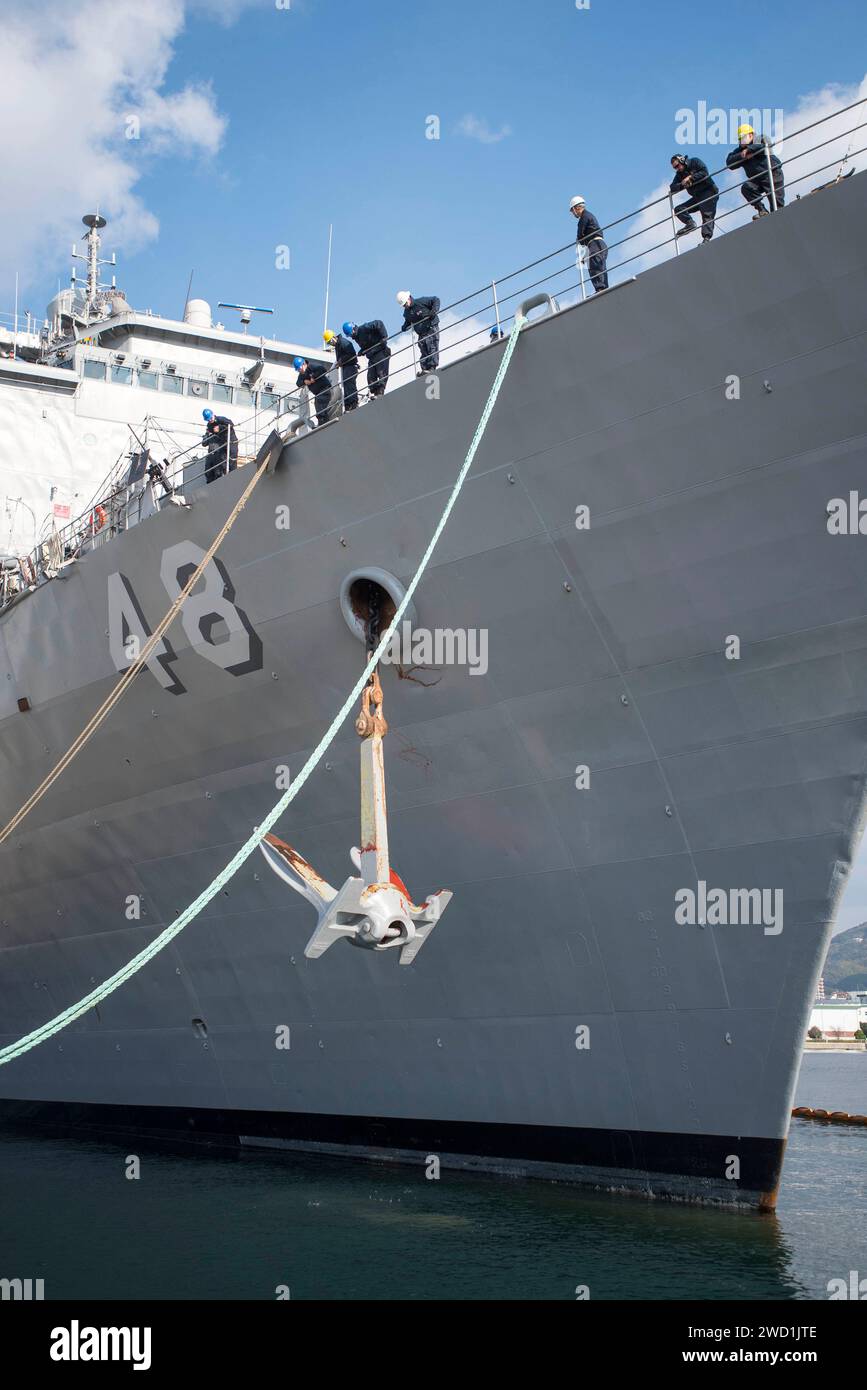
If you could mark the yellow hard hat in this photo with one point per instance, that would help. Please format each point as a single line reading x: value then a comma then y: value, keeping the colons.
x: 745, y: 130
x: 327, y: 336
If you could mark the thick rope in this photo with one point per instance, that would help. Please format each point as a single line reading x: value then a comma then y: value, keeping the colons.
x: 131, y: 672
x: 47, y: 1030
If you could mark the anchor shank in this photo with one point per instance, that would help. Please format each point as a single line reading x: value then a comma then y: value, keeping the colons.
x: 374, y: 866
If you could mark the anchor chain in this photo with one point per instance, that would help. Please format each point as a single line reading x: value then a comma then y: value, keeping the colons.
x: 371, y: 719
x: 374, y: 616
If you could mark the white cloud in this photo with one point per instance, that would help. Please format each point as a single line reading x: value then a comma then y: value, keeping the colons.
x: 186, y: 121
x: 476, y: 128
x: 805, y: 166
x: 71, y: 76
x: 458, y: 336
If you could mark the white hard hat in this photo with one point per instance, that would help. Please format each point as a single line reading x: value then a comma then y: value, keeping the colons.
x: 403, y: 298
x: 577, y: 201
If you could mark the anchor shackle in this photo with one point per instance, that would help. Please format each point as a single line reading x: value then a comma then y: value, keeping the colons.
x: 371, y: 719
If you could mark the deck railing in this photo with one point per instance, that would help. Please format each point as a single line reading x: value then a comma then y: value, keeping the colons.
x: 643, y: 238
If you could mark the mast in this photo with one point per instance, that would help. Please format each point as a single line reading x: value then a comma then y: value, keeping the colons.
x: 93, y: 289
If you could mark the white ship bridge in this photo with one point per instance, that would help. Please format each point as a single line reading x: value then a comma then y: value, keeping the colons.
x: 97, y: 375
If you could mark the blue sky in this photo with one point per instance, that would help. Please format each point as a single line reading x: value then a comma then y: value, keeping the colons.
x: 326, y: 105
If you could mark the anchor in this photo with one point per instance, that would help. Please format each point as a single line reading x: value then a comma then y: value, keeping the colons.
x: 375, y: 910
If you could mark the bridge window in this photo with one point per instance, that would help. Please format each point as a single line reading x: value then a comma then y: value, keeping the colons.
x: 172, y: 384
x: 93, y: 369
x: 122, y: 376
x: 150, y: 380
x: 243, y: 395
x: 219, y: 392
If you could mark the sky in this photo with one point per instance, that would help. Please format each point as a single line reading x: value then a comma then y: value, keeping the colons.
x: 263, y: 121
x: 257, y: 123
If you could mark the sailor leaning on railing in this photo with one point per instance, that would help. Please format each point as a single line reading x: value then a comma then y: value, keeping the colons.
x: 764, y: 171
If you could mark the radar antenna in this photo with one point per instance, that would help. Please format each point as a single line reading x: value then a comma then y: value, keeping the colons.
x: 246, y: 310
x: 252, y: 374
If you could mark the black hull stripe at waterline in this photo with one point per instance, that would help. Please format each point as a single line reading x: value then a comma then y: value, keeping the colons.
x: 704, y: 1157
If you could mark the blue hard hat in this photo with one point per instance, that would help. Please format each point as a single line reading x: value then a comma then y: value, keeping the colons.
x: 349, y: 329
x: 207, y: 414
x: 297, y: 363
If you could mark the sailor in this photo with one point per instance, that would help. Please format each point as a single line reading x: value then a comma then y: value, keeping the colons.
x: 423, y: 315
x: 753, y: 156
x: 590, y: 235
x: 691, y: 176
x: 496, y: 334
x: 347, y: 360
x: 222, y: 443
x: 314, y: 375
x: 372, y: 339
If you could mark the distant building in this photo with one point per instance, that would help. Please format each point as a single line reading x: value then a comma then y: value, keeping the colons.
x: 839, y: 1018
x: 820, y: 992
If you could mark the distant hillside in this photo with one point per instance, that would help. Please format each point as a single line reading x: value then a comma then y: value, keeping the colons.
x: 846, y: 962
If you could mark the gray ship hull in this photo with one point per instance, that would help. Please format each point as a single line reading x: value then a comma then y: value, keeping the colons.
x: 606, y: 648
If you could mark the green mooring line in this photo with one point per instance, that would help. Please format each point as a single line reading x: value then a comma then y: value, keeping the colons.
x: 62, y: 1020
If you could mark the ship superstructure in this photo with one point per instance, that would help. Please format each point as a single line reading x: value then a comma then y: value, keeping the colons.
x: 73, y: 389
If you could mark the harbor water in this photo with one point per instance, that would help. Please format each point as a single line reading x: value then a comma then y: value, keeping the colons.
x: 262, y: 1226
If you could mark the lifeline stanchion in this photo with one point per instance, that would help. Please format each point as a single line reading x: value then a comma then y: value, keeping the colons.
x: 673, y: 225
x: 772, y: 192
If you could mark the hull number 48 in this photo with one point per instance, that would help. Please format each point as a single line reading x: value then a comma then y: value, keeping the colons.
x: 215, y: 627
